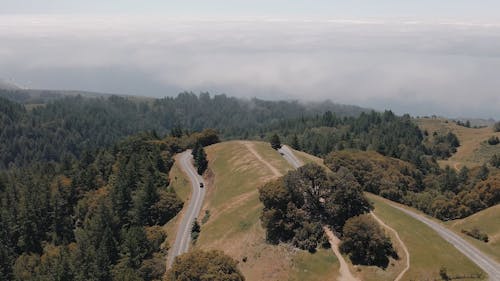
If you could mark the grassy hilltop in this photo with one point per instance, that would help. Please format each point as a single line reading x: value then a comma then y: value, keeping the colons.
x: 238, y: 169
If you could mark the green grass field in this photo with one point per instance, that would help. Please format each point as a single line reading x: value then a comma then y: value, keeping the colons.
x: 428, y: 251
x: 487, y: 221
x: 234, y: 225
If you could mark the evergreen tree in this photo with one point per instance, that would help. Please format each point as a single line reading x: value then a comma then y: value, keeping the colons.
x: 144, y: 201
x: 295, y: 142
x: 201, y: 161
x: 135, y: 247
x: 97, y: 249
x: 275, y: 141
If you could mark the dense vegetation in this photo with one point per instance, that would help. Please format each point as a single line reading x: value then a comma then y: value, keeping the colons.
x: 442, y: 146
x: 66, y: 127
x: 445, y: 194
x: 366, y: 243
x: 204, y: 266
x: 298, y: 205
x: 81, y: 199
x: 97, y: 218
x: 200, y: 158
x: 385, y: 133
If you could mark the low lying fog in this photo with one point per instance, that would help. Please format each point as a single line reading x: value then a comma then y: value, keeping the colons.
x: 444, y: 68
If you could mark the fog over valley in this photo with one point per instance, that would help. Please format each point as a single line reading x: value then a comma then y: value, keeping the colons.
x: 422, y: 67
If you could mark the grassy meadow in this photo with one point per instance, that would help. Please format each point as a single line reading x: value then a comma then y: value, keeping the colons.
x: 234, y: 225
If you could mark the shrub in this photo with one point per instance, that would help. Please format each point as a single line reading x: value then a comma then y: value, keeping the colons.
x: 493, y: 140
x: 275, y: 141
x: 477, y: 234
x: 207, y: 266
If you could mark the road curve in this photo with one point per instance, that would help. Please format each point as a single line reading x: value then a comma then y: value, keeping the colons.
x: 491, y: 267
x: 183, y: 237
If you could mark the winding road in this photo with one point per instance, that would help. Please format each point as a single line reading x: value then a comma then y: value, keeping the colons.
x: 183, y: 237
x: 487, y: 264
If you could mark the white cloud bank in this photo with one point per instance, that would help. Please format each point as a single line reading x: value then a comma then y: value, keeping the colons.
x: 447, y: 68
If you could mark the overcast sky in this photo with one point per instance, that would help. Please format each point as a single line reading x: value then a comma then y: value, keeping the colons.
x: 429, y: 57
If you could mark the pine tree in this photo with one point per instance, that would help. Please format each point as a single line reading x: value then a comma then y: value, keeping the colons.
x: 144, y: 200
x: 295, y: 143
x: 275, y: 142
x: 201, y: 161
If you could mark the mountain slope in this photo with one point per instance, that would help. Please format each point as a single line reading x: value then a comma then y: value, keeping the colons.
x: 488, y: 221
x: 234, y: 225
x: 428, y: 251
x: 473, y: 150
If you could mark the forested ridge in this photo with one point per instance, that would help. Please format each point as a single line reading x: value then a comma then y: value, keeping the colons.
x: 84, y: 181
x: 67, y: 126
x: 95, y: 218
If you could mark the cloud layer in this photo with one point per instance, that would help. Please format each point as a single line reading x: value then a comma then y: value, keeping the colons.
x: 447, y: 68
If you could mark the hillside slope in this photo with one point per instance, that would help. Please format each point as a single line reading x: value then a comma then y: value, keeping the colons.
x: 488, y: 221
x: 473, y: 150
x: 428, y: 251
x: 234, y: 225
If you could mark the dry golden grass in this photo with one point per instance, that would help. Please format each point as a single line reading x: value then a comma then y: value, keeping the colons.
x: 234, y: 225
x: 473, y: 150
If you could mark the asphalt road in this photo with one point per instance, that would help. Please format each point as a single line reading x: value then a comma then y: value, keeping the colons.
x: 183, y: 237
x: 487, y: 264
x: 491, y: 267
x: 290, y: 157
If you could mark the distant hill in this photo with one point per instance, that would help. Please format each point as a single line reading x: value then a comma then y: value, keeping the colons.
x: 35, y: 96
x: 473, y: 150
x: 71, y: 122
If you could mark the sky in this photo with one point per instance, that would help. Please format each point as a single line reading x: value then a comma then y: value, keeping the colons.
x: 419, y: 57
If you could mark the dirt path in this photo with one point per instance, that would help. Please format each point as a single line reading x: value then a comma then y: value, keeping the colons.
x: 251, y: 148
x: 407, y: 254
x: 345, y: 273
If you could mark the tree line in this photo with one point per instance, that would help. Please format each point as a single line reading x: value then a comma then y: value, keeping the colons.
x: 444, y: 193
x: 66, y: 126
x: 95, y: 218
